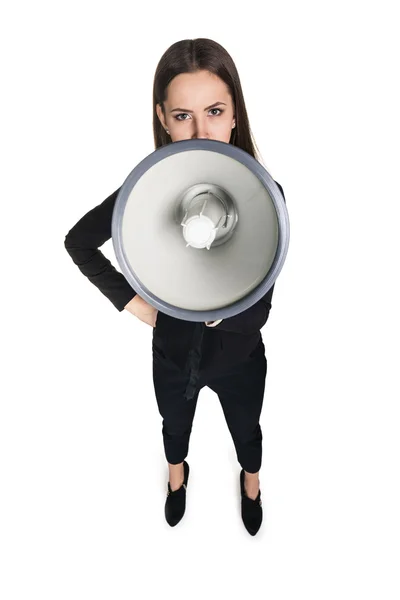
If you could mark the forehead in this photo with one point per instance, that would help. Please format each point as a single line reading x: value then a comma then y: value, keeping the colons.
x: 196, y: 90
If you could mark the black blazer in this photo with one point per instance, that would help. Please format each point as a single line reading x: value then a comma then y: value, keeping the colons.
x: 227, y: 343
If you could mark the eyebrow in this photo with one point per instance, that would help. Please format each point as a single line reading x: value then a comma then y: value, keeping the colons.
x: 186, y: 110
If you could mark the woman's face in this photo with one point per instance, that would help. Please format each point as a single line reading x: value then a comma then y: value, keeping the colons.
x: 198, y: 105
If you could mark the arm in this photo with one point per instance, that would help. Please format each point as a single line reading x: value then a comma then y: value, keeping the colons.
x: 82, y: 243
x: 255, y: 317
x: 250, y: 320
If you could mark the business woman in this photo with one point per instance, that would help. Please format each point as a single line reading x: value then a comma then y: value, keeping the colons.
x: 196, y: 95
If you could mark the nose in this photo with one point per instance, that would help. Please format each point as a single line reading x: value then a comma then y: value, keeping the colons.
x: 200, y: 131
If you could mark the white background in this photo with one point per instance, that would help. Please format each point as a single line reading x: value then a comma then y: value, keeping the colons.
x: 83, y: 473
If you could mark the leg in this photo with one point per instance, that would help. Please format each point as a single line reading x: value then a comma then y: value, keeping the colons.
x: 177, y: 412
x: 241, y: 392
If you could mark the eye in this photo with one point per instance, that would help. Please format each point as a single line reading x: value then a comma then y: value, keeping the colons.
x: 220, y: 111
x: 182, y: 114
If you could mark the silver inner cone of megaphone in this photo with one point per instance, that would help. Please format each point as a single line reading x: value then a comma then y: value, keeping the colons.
x: 207, y: 215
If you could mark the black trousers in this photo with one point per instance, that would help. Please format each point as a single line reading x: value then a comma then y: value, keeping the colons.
x: 240, y: 389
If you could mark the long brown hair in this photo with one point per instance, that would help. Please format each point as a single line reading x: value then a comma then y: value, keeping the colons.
x: 188, y: 56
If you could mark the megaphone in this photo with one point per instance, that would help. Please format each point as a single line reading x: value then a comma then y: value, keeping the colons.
x: 200, y: 230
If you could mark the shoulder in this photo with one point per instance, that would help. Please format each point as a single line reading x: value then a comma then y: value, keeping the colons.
x: 281, y: 189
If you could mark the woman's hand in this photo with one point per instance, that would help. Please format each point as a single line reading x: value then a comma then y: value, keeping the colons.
x: 142, y: 310
x: 213, y: 323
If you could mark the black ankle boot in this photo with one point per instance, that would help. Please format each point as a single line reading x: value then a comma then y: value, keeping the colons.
x: 175, y: 503
x: 251, y: 509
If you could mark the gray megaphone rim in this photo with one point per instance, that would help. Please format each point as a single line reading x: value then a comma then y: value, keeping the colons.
x: 279, y: 204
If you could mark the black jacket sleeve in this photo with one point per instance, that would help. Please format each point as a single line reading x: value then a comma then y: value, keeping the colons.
x: 82, y: 243
x: 255, y: 317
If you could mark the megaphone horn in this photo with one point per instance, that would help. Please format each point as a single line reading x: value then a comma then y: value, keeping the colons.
x: 200, y: 230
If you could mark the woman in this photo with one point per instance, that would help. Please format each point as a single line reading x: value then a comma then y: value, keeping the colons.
x: 196, y: 94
